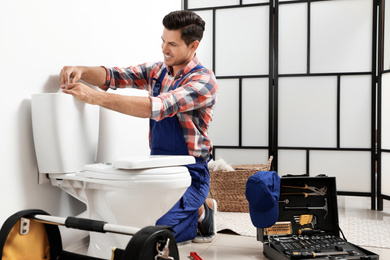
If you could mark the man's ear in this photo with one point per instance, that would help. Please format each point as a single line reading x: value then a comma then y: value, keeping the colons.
x: 194, y: 45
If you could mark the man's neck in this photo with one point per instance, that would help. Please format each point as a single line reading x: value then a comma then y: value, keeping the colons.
x: 176, y: 69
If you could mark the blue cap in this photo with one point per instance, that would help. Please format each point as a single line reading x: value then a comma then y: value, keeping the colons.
x: 262, y: 192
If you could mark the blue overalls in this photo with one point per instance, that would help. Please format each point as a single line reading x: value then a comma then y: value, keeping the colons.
x: 167, y: 139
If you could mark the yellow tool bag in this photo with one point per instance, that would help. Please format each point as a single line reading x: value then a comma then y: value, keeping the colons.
x: 34, y: 235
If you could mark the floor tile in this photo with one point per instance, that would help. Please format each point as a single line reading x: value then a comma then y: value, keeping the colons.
x: 225, y: 246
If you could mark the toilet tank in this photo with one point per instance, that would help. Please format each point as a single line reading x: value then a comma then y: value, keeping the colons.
x: 65, y: 132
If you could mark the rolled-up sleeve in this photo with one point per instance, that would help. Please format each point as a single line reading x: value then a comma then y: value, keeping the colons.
x: 134, y: 76
x: 106, y: 85
x: 199, y: 91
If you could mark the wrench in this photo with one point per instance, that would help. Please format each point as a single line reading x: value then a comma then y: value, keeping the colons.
x: 325, y: 207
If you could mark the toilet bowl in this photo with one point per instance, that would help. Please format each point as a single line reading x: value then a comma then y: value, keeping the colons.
x: 134, y: 191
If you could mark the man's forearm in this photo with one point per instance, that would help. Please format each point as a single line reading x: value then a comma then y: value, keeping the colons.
x: 94, y: 75
x: 130, y: 105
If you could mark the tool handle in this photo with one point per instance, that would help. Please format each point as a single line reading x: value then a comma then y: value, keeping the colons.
x: 295, y: 187
x: 299, y: 193
x: 309, y: 231
x: 194, y: 256
x: 295, y: 208
x: 302, y: 255
x: 87, y: 224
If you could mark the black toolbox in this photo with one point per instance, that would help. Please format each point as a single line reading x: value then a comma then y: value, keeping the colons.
x: 308, y: 224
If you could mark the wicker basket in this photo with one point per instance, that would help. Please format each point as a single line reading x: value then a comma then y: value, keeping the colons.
x: 228, y: 187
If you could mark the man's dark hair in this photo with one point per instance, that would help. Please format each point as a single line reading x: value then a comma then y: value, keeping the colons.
x: 190, y: 24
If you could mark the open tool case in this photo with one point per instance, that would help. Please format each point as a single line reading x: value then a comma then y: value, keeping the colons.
x: 308, y: 225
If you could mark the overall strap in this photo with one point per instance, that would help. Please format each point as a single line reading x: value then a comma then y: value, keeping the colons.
x: 197, y: 67
x: 157, y: 87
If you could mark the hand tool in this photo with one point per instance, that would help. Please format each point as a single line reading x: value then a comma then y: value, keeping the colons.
x: 309, y: 231
x: 319, y: 192
x: 286, y: 201
x: 304, y: 219
x: 325, y: 207
x: 280, y: 228
x: 309, y: 255
x: 194, y: 256
x: 306, y: 194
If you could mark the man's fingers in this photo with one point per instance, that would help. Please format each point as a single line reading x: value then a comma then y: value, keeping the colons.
x: 63, y: 79
x: 74, y: 78
x: 68, y: 75
x: 71, y: 86
x: 65, y: 75
x: 71, y: 89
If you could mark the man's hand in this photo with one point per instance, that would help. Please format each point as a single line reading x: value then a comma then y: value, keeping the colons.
x: 70, y: 74
x: 130, y: 105
x: 92, y: 75
x: 82, y: 92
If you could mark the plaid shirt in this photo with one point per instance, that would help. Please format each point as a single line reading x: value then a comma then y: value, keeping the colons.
x: 192, y: 101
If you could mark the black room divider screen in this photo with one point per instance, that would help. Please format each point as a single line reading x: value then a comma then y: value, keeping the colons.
x: 304, y: 81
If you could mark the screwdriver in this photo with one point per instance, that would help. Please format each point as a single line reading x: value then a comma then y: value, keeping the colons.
x: 310, y: 255
x: 309, y: 231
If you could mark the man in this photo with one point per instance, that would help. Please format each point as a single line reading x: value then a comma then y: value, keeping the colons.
x: 182, y: 95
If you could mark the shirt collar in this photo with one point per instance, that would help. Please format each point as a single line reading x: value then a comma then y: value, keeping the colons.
x: 192, y: 64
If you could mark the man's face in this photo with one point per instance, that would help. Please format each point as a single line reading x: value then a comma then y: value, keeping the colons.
x: 176, y: 53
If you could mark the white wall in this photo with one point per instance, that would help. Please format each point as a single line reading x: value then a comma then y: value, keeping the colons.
x: 37, y: 38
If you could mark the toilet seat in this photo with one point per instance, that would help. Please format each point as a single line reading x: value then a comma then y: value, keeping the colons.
x: 153, y: 167
x: 108, y: 172
x: 153, y: 161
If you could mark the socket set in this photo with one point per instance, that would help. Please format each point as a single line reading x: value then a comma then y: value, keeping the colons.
x: 308, y: 225
x: 306, y: 247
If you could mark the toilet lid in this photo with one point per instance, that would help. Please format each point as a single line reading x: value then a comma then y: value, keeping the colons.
x: 107, y: 172
x: 153, y: 161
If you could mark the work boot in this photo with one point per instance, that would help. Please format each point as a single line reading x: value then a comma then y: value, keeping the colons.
x: 207, y: 228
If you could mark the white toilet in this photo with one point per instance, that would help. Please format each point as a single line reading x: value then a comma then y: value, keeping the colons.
x: 132, y: 192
